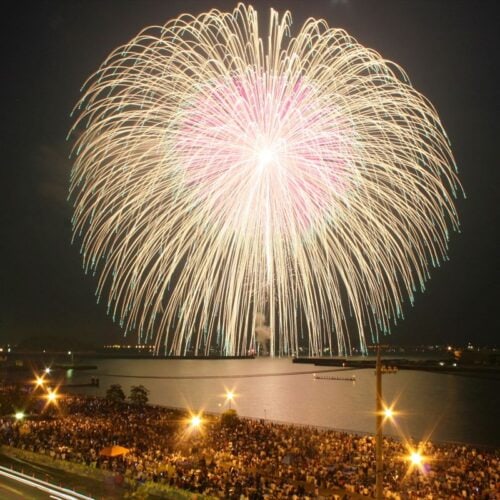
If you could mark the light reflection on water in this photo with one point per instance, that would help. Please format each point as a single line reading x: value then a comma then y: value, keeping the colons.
x: 452, y: 408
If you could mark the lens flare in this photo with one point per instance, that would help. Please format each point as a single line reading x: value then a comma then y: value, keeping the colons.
x: 220, y: 177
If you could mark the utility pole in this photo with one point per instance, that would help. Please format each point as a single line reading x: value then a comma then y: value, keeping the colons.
x: 379, y: 477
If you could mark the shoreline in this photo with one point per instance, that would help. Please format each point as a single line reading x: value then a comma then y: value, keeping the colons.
x: 322, y: 428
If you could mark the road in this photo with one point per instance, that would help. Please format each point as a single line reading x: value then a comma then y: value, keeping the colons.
x: 11, y: 489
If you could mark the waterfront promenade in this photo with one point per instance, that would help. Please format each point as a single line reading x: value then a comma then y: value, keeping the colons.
x: 251, y: 459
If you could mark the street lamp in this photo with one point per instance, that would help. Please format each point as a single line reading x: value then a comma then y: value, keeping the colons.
x: 52, y: 396
x: 381, y: 414
x: 390, y: 413
x: 195, y: 421
x: 379, y: 472
x: 416, y: 459
x: 229, y: 398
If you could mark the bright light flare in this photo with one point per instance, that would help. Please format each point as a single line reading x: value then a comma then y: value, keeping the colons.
x: 195, y: 421
x: 389, y: 413
x: 19, y: 415
x: 219, y: 177
x: 52, y: 396
x: 417, y: 460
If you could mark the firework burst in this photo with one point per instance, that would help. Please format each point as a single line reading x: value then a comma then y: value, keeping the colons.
x: 219, y: 178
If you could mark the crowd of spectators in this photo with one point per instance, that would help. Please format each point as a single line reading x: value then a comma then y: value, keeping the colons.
x: 249, y: 459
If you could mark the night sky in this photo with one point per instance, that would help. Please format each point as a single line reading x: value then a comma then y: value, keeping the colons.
x: 448, y: 48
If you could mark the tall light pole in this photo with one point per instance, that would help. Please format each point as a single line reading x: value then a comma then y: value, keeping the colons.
x: 379, y: 471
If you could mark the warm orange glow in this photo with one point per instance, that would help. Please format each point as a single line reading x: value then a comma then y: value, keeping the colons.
x: 389, y: 413
x: 52, y: 396
x: 194, y: 424
x: 39, y: 381
x: 416, y: 458
x: 229, y: 396
x: 195, y: 421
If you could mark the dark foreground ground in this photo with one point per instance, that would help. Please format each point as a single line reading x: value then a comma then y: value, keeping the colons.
x: 10, y: 489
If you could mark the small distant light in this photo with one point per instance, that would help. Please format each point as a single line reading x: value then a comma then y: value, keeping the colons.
x: 441, y: 363
x: 229, y: 396
x: 19, y: 415
x: 47, y: 370
x: 388, y: 413
x: 39, y: 381
x: 454, y: 364
x: 69, y: 353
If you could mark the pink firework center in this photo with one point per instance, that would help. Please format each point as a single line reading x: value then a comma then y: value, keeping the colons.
x: 263, y: 150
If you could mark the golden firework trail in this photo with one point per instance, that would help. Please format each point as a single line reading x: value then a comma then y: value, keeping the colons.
x: 221, y: 177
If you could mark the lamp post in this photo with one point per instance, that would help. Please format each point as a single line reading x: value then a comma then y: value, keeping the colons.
x: 379, y: 471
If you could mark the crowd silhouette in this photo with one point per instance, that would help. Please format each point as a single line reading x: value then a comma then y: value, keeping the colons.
x: 245, y: 458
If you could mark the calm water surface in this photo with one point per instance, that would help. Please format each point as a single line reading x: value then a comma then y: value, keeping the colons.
x: 444, y: 407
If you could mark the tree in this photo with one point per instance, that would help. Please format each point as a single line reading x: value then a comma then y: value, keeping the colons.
x: 229, y: 418
x: 115, y: 393
x: 139, y: 395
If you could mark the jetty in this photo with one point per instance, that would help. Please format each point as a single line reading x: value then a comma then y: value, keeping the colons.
x: 326, y: 377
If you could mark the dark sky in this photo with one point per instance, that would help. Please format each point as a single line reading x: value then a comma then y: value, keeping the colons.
x: 449, y: 48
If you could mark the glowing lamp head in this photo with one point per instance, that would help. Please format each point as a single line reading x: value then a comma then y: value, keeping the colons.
x: 388, y: 413
x: 51, y: 396
x: 229, y: 396
x: 195, y: 421
x: 39, y: 381
x: 416, y: 458
x: 19, y: 415
x: 47, y: 370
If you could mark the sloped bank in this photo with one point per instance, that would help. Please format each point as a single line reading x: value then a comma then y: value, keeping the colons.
x: 131, y: 488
